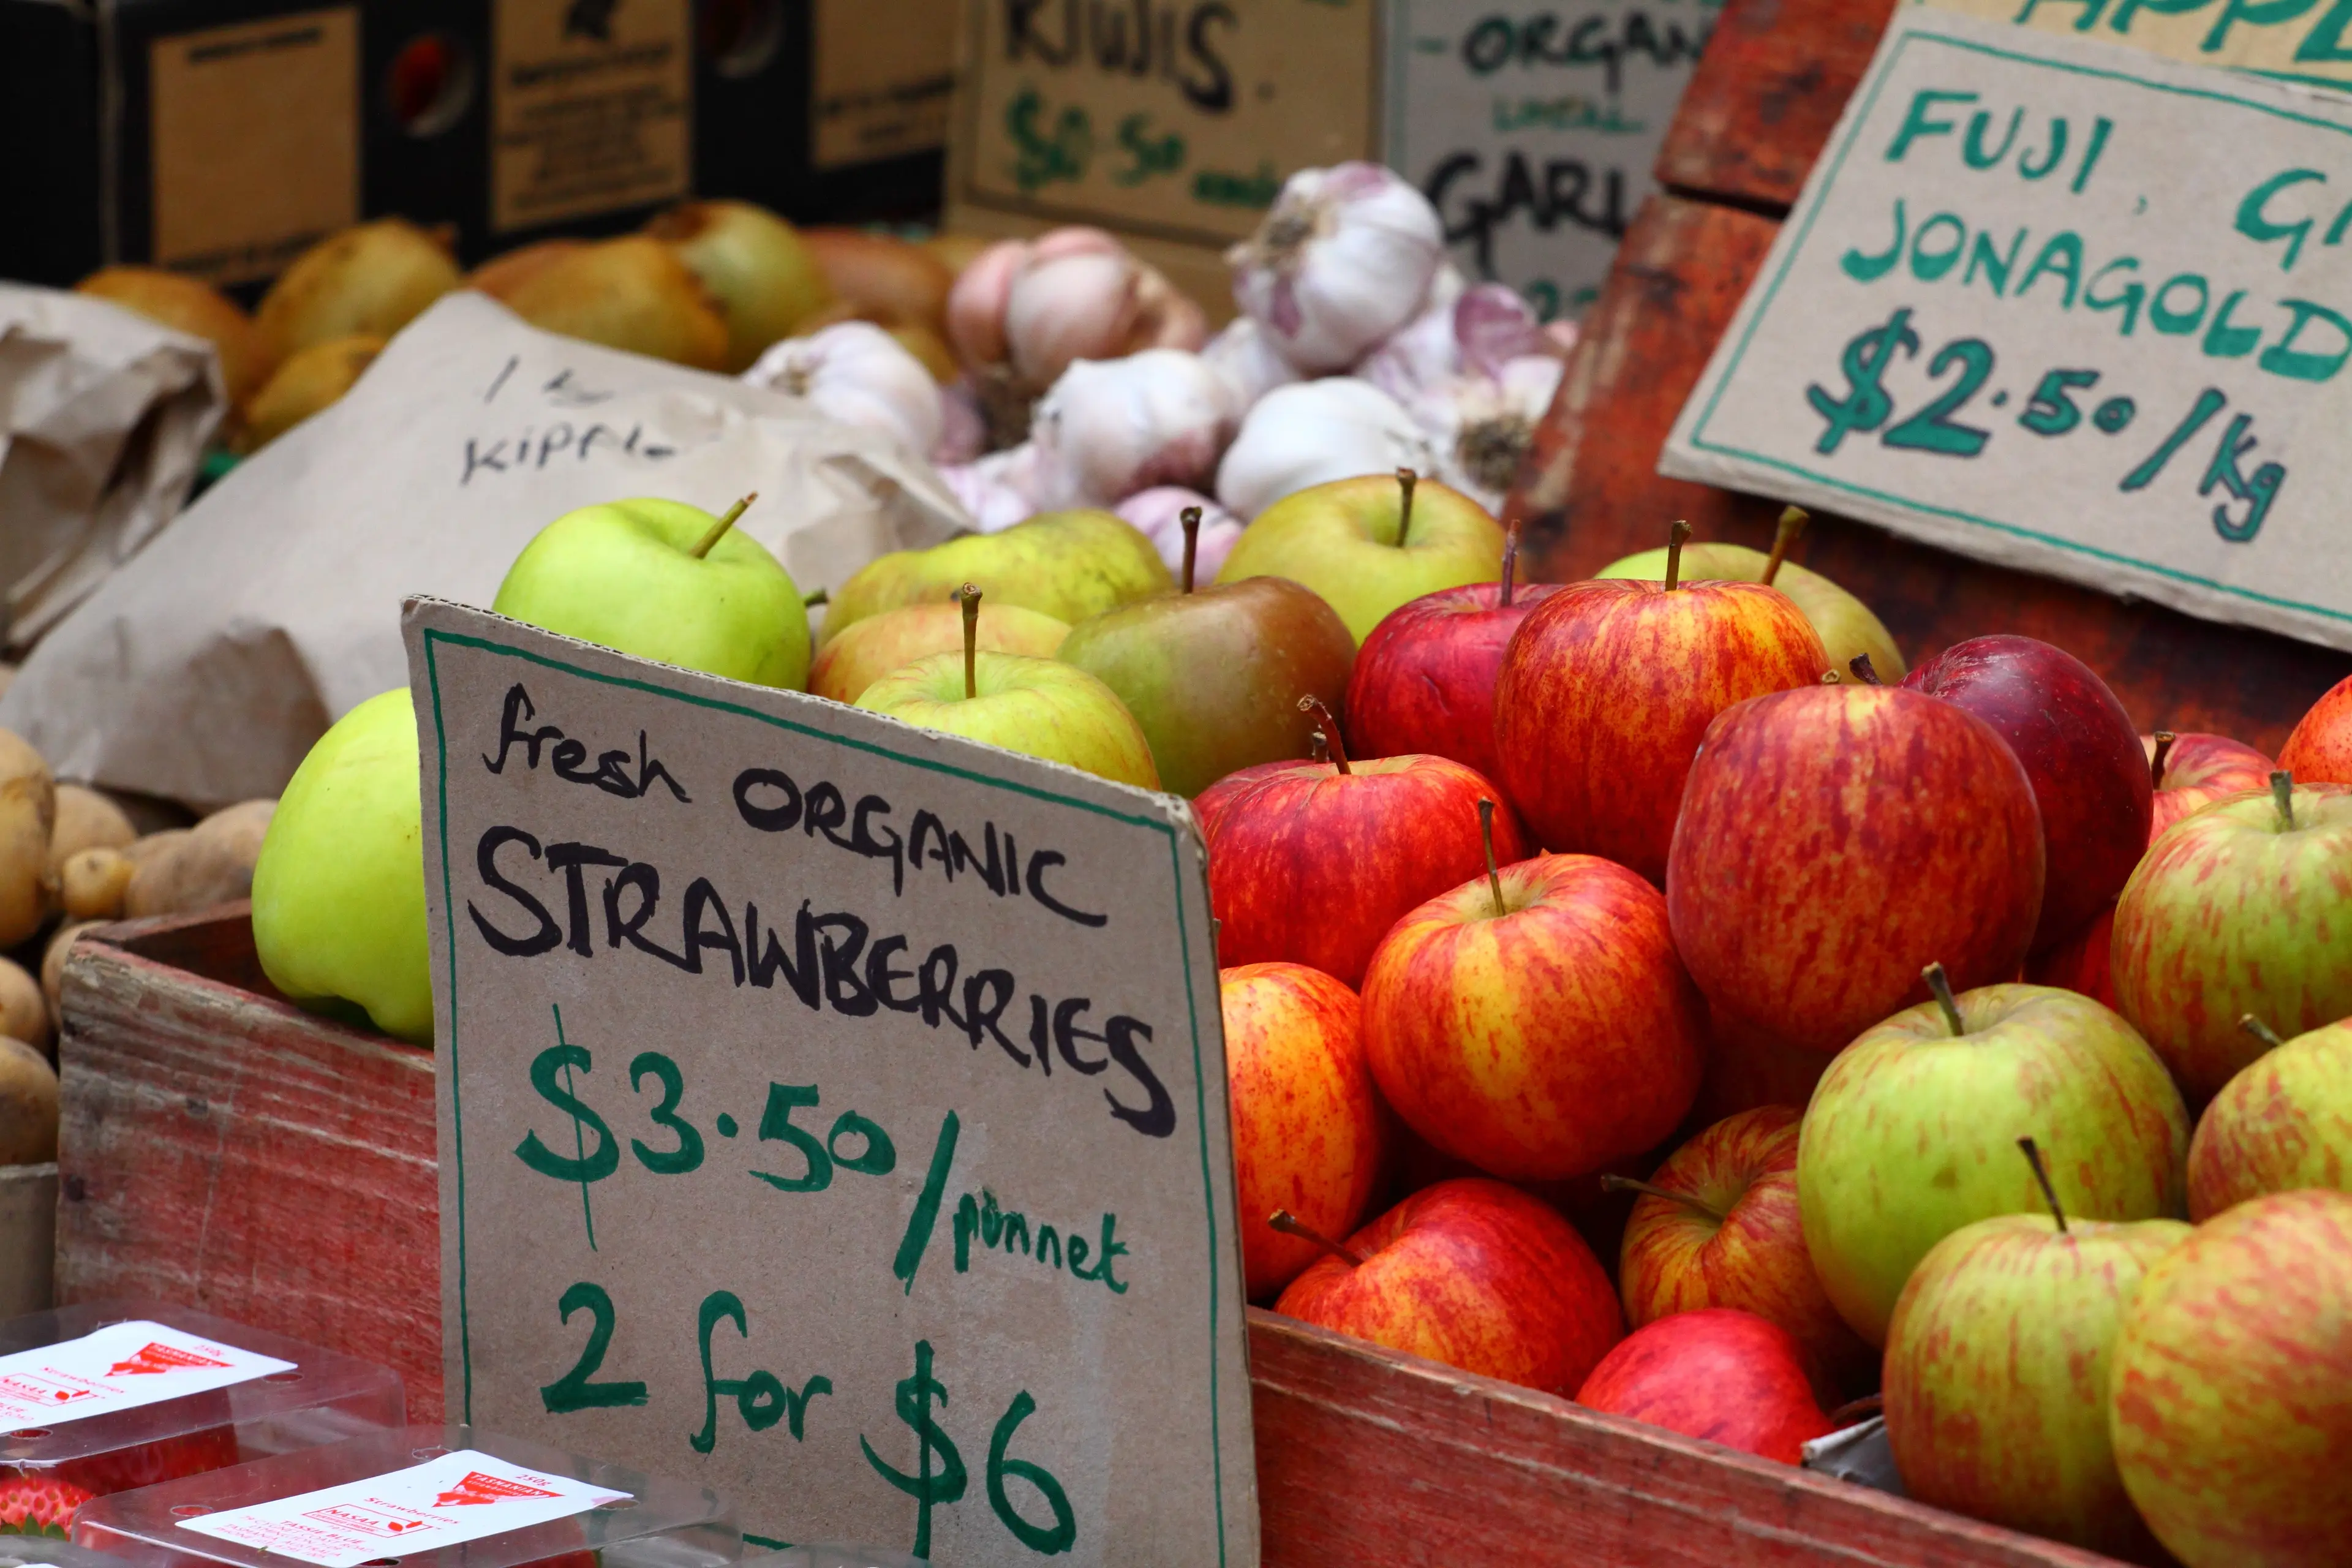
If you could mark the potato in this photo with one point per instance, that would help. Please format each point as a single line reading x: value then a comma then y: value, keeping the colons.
x: 29, y: 1106
x: 213, y: 865
x: 53, y: 961
x: 28, y: 811
x: 147, y: 845
x: 92, y: 883
x: 85, y: 820
x: 23, y: 1013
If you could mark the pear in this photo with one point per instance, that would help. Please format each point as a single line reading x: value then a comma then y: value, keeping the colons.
x: 306, y: 382
x: 501, y: 275
x: 195, y: 308
x: 632, y: 293
x: 370, y: 281
x: 1066, y: 564
x: 883, y: 278
x: 753, y: 264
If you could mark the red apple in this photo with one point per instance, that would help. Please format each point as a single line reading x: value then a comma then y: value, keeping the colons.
x: 2081, y: 751
x: 1312, y: 862
x: 2283, y: 1123
x: 1744, y: 1068
x: 2191, y: 771
x: 2080, y: 963
x: 1474, y: 1274
x: 1719, y: 1374
x: 1306, y: 1121
x: 1537, y: 1025
x: 1836, y: 841
x: 1424, y: 679
x: 2319, y: 750
x: 1606, y: 689
x: 1718, y: 1226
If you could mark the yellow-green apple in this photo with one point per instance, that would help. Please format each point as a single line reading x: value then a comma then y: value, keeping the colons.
x: 2231, y: 1405
x: 2080, y: 750
x: 2283, y: 1122
x: 752, y: 265
x: 1718, y: 1374
x: 339, y: 886
x: 1369, y: 544
x: 2191, y: 771
x: 1038, y: 707
x: 1834, y: 840
x: 1065, y: 565
x: 1745, y: 1067
x: 1998, y: 1366
x: 1214, y: 675
x: 1719, y: 1224
x: 1536, y: 1022
x: 1474, y: 1274
x: 1306, y: 1121
x: 1424, y: 679
x: 2244, y: 908
x: 1913, y: 1132
x: 2320, y: 749
x: 1846, y: 625
x: 1312, y: 862
x: 1606, y: 689
x: 662, y: 580
x: 879, y: 644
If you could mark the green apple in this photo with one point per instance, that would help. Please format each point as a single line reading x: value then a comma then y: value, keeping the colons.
x: 1846, y: 624
x: 339, y: 888
x: 879, y: 644
x: 1997, y: 1373
x: 1214, y: 675
x: 1369, y: 544
x: 2283, y: 1123
x: 1038, y: 707
x: 1066, y: 564
x: 753, y: 264
x: 1911, y: 1133
x: 666, y: 580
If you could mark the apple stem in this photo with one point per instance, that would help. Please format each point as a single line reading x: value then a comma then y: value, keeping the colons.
x: 1611, y: 1182
x: 1784, y: 538
x: 1319, y: 750
x: 1864, y: 670
x: 1675, y: 536
x: 1190, y: 518
x: 969, y: 595
x: 814, y: 600
x: 718, y: 528
x: 1289, y: 1223
x: 1406, y: 480
x: 2261, y: 1031
x: 1832, y: 677
x: 1862, y: 1409
x: 1510, y: 564
x: 1486, y: 837
x: 2164, y: 739
x: 2283, y: 792
x: 1328, y: 728
x: 2034, y: 1158
x: 1941, y: 985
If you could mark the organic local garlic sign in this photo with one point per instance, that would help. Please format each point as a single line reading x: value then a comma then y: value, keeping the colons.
x: 2066, y: 306
x: 831, y: 1110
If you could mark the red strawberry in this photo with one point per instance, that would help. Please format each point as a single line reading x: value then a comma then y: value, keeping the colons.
x: 165, y: 1460
x: 37, y: 1504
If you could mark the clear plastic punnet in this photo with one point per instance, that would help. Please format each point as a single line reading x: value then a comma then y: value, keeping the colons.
x: 49, y: 1551
x: 108, y: 1397
x: 418, y: 1497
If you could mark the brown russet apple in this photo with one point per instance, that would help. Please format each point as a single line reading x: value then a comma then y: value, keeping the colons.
x: 1716, y: 1373
x: 2319, y: 750
x: 2191, y: 771
x: 1833, y: 842
x: 1606, y: 687
x: 2283, y: 1122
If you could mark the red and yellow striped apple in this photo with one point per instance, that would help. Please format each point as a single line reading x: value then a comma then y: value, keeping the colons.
x: 2192, y: 770
x: 1718, y: 1374
x: 2319, y: 750
x: 2283, y: 1123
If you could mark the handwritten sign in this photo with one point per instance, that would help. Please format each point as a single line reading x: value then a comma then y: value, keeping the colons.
x: 1534, y: 132
x: 2294, y: 40
x: 831, y: 1112
x: 2068, y: 306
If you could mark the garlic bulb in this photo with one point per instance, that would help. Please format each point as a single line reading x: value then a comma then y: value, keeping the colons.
x: 1064, y: 308
x: 1344, y: 258
x: 853, y: 372
x: 1314, y: 432
x: 1482, y: 427
x: 1158, y: 514
x: 976, y: 303
x: 963, y: 425
x: 1108, y: 428
x: 997, y: 490
x: 1426, y: 350
x: 1245, y: 356
x: 1494, y: 325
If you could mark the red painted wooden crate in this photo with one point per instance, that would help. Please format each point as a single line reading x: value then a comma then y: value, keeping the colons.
x: 223, y: 1150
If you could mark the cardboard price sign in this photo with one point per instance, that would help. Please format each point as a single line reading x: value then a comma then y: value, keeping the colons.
x: 831, y: 1112
x: 2068, y: 306
x: 2294, y: 40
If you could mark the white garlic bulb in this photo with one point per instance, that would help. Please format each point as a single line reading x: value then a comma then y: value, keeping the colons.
x: 855, y: 373
x: 997, y: 490
x: 1482, y: 427
x: 1158, y: 514
x: 1345, y: 257
x: 1247, y: 357
x: 1426, y: 350
x: 1108, y: 428
x: 1312, y: 432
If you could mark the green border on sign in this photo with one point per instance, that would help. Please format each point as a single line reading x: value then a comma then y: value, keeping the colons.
x: 449, y: 1047
x: 1818, y: 192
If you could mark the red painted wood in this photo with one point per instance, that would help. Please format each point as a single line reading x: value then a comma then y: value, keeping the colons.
x: 1766, y: 95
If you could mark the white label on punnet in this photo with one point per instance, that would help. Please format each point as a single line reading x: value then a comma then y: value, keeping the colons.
x: 453, y: 1497
x: 120, y: 1367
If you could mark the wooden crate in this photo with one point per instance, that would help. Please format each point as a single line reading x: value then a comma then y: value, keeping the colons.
x: 1758, y: 110
x: 223, y: 1150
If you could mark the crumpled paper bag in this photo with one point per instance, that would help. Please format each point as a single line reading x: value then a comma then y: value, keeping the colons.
x: 204, y: 670
x: 103, y: 419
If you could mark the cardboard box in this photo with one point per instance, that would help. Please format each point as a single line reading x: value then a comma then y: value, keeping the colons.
x: 222, y: 137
